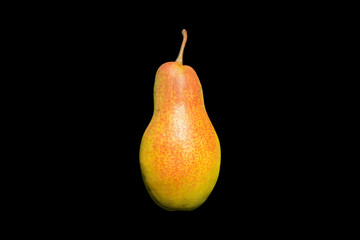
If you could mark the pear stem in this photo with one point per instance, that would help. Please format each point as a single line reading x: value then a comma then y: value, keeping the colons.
x: 180, y: 57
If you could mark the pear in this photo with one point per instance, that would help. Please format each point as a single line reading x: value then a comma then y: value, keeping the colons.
x: 180, y: 150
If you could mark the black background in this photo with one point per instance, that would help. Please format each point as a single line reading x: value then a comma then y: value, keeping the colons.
x: 94, y: 75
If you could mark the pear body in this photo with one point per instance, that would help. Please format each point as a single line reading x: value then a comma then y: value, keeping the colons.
x: 180, y: 150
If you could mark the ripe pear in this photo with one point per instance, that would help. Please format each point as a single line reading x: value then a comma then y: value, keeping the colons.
x: 180, y: 150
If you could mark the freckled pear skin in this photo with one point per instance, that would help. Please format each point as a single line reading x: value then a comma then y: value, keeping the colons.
x: 179, y: 151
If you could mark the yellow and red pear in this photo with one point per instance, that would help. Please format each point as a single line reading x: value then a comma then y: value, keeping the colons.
x: 180, y: 150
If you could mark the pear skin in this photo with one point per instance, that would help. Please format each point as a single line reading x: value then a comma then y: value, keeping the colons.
x: 180, y: 150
